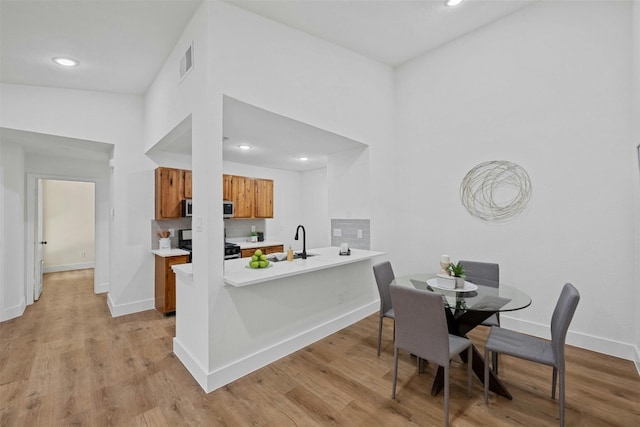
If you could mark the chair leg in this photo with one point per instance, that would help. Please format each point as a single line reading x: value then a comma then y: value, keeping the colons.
x: 395, y: 372
x: 494, y: 363
x: 554, y: 379
x: 446, y: 396
x: 469, y: 369
x: 486, y: 375
x: 379, y: 335
x: 561, y: 403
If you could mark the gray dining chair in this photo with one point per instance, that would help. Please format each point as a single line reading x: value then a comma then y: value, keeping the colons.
x: 485, y: 274
x: 534, y: 349
x: 421, y: 329
x: 384, y: 276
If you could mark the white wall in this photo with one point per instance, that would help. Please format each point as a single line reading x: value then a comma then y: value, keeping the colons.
x: 12, y: 275
x: 348, y: 180
x: 314, y: 198
x: 275, y: 68
x: 295, y: 75
x: 109, y: 118
x: 544, y: 89
x: 635, y: 19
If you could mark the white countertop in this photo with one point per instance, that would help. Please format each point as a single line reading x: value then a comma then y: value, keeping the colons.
x: 169, y: 252
x: 236, y: 272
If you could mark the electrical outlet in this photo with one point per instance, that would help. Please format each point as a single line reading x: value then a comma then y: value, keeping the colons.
x: 337, y: 232
x: 172, y: 232
x: 83, y: 254
x: 359, y: 234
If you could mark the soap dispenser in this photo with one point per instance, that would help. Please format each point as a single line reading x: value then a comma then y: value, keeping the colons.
x: 290, y: 254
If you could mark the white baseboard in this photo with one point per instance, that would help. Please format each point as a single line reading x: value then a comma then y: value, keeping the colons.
x: 637, y: 359
x: 13, y: 312
x: 589, y: 342
x: 224, y: 375
x: 68, y: 267
x: 129, y: 308
x: 195, y: 369
x: 102, y: 288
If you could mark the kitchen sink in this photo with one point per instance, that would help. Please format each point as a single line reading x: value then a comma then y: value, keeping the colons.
x: 296, y: 255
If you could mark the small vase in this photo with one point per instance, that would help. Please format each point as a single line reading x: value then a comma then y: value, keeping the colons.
x: 459, y: 282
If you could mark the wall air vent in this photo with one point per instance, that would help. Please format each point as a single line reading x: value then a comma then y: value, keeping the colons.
x: 186, y: 62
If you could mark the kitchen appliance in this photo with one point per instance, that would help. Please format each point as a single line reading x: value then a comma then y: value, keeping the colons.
x: 187, y: 207
x: 184, y: 241
x: 227, y: 209
x: 231, y: 250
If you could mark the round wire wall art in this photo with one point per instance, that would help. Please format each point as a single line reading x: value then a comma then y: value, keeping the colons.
x: 495, y: 191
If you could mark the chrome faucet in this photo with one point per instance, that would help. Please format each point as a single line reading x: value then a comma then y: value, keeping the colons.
x: 303, y: 255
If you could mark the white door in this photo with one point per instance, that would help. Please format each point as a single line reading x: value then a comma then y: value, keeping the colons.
x: 39, y: 244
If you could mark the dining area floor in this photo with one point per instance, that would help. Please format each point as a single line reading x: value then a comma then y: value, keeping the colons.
x: 66, y: 361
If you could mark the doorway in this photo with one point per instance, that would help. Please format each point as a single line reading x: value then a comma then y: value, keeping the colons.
x: 65, y: 235
x: 63, y: 232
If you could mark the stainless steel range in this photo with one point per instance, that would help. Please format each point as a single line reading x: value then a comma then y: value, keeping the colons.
x: 231, y: 250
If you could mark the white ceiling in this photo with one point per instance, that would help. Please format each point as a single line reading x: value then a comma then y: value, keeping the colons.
x: 389, y: 31
x: 277, y: 141
x: 122, y: 44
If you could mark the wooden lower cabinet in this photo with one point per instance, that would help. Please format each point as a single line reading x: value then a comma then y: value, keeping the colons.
x: 245, y: 253
x: 166, y: 282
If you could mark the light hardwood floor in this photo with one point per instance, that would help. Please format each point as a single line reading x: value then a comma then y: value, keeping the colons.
x: 66, y: 361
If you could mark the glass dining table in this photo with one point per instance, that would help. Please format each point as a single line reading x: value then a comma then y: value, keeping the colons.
x: 469, y: 307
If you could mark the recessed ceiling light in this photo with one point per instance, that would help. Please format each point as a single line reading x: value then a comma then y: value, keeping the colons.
x: 451, y: 3
x: 303, y: 158
x: 66, y: 62
x: 244, y: 146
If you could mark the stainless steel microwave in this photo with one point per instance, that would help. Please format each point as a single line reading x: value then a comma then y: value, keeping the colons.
x: 227, y: 209
x: 187, y: 207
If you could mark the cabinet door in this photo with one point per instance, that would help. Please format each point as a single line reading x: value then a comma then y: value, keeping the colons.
x: 243, y: 196
x: 169, y: 189
x: 227, y: 189
x: 247, y: 253
x: 272, y: 249
x: 264, y: 198
x: 186, y: 178
x: 170, y: 281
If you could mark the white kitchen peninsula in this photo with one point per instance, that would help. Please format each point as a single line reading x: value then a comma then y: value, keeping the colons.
x: 261, y: 315
x: 238, y: 274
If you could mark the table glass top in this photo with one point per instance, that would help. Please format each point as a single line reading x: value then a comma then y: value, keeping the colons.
x: 484, y: 298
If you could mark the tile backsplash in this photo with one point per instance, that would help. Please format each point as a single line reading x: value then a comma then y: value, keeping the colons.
x: 165, y: 224
x: 241, y: 228
x: 355, y: 232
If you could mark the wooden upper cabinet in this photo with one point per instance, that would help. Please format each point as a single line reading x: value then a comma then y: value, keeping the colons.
x: 227, y: 191
x: 264, y: 198
x: 251, y: 197
x: 243, y: 197
x: 186, y: 179
x: 169, y: 193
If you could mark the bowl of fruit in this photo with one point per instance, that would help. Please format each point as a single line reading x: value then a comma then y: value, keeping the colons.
x: 259, y: 260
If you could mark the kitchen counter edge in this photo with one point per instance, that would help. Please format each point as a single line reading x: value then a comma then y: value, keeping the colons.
x: 238, y: 275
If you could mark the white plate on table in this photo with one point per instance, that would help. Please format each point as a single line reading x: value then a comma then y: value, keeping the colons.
x: 468, y: 286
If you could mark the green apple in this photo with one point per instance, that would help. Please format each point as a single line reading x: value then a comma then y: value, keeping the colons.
x: 263, y: 264
x: 258, y: 252
x: 254, y: 264
x: 255, y: 258
x: 263, y: 257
